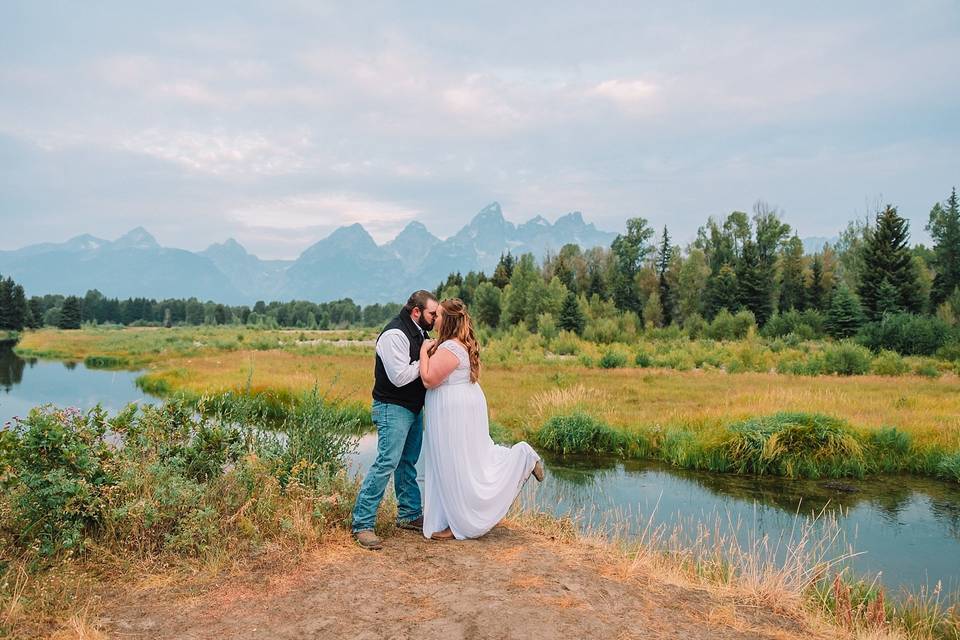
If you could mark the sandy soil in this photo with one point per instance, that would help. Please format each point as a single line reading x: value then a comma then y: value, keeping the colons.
x: 510, y: 584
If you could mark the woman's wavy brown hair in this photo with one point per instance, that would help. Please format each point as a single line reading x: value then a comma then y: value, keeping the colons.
x: 458, y: 325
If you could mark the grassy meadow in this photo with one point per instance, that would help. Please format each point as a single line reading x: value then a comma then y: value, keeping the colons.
x: 174, y: 492
x: 716, y: 405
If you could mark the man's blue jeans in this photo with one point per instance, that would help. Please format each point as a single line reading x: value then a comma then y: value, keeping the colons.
x: 399, y: 436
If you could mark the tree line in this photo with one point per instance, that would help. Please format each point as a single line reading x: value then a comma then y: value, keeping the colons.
x: 740, y: 263
x: 70, y: 312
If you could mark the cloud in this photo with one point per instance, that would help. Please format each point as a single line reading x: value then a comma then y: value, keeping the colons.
x: 324, y: 212
x: 631, y: 95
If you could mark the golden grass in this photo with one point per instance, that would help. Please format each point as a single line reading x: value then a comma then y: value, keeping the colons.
x: 521, y: 395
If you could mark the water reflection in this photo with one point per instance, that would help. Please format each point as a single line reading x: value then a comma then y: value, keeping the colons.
x: 28, y: 383
x: 907, y: 528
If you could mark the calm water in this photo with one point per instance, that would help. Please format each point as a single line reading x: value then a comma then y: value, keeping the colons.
x: 25, y: 384
x: 907, y: 528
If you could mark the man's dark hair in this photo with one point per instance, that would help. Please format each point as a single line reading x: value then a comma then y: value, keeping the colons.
x: 418, y: 300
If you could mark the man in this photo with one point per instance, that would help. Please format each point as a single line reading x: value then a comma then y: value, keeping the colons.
x: 398, y: 396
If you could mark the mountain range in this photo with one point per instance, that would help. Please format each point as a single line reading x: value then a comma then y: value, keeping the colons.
x: 347, y: 263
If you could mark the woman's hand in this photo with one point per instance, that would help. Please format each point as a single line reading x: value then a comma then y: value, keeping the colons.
x: 425, y: 347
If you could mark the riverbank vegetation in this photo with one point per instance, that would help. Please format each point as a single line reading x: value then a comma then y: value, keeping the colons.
x: 89, y: 500
x: 901, y: 413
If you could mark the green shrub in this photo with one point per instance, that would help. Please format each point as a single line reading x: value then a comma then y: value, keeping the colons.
x: 795, y: 445
x: 721, y: 327
x: 928, y: 369
x: 581, y: 433
x: 643, y: 359
x: 695, y: 326
x: 906, y: 334
x: 889, y: 363
x: 60, y: 466
x: 807, y: 325
x: 565, y: 344
x: 613, y: 360
x: 846, y: 359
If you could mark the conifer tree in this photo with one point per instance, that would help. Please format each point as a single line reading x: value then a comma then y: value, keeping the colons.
x: 845, y: 315
x: 816, y: 292
x: 792, y: 294
x: 754, y: 283
x: 70, y: 313
x: 944, y: 228
x: 504, y: 271
x: 887, y: 257
x: 666, y: 293
x: 571, y: 315
x: 722, y: 291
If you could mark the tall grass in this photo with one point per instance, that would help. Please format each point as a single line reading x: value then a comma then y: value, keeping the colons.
x: 787, y: 444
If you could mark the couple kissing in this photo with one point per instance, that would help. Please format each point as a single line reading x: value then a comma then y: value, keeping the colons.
x: 426, y: 395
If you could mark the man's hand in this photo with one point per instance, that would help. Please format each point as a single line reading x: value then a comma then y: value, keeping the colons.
x: 429, y: 342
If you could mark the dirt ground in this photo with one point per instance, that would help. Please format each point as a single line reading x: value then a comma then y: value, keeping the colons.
x: 512, y: 583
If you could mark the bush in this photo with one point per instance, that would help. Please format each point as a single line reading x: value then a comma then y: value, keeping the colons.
x: 581, y: 433
x: 643, y: 359
x: 612, y: 360
x: 928, y: 369
x: 807, y: 325
x: 721, y: 327
x: 695, y: 325
x: 60, y: 476
x: 795, y: 445
x: 889, y: 363
x: 906, y: 334
x: 565, y: 344
x: 846, y: 359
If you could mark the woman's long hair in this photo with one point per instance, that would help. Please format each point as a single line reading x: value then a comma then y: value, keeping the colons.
x: 458, y: 325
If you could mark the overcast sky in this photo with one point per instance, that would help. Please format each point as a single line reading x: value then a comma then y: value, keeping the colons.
x: 275, y: 123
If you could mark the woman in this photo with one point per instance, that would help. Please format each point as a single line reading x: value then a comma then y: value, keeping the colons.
x: 469, y: 481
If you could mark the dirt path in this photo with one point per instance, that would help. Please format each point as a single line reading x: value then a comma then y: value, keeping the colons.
x: 510, y: 584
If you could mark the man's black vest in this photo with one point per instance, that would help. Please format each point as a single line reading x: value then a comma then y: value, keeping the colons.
x: 409, y: 396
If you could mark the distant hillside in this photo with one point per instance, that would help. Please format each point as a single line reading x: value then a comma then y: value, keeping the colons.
x: 347, y: 263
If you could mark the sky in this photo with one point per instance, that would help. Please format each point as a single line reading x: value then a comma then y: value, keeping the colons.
x: 275, y: 123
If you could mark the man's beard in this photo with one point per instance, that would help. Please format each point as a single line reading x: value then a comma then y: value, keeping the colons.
x: 422, y: 321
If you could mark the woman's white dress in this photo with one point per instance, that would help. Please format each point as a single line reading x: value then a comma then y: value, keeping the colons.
x: 469, y: 482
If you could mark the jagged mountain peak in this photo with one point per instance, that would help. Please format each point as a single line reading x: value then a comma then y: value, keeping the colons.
x: 137, y: 238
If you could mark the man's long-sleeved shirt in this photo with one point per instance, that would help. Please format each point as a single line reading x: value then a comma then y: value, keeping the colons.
x: 393, y: 347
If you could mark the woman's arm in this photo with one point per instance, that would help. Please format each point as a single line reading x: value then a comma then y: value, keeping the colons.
x: 435, y: 369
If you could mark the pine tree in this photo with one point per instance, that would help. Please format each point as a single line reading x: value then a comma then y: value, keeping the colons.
x: 944, y: 228
x: 754, y: 284
x: 722, y: 291
x: 664, y: 255
x: 6, y: 304
x: 886, y: 256
x: 791, y: 276
x: 36, y: 312
x: 504, y: 271
x: 571, y: 315
x: 597, y: 286
x: 816, y: 292
x: 845, y: 315
x: 19, y: 311
x: 70, y: 313
x: 653, y: 311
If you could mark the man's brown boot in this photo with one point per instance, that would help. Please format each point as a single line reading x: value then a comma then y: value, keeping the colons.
x: 368, y: 540
x: 412, y: 525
